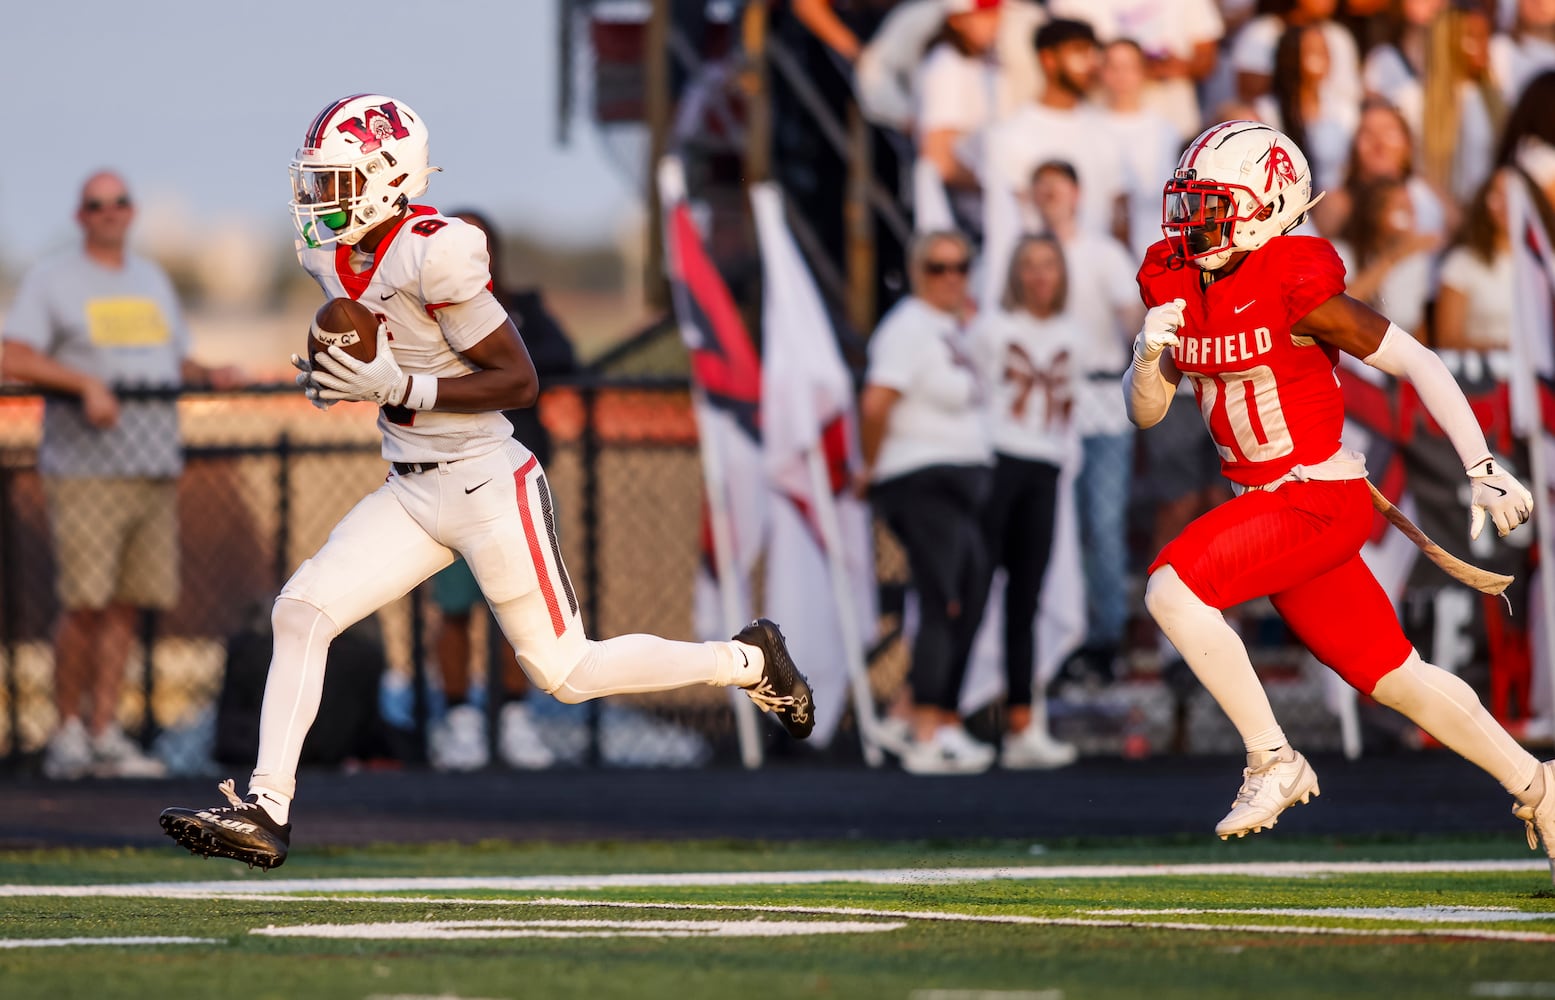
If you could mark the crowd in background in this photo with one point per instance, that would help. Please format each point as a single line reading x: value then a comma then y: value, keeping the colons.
x: 1033, y: 142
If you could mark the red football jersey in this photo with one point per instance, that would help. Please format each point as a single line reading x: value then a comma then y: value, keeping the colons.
x: 1271, y: 399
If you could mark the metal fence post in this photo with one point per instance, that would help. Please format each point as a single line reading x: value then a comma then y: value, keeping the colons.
x: 283, y: 507
x: 148, y: 642
x: 590, y: 521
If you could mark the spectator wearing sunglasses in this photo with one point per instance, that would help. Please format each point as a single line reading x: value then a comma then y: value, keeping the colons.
x: 928, y: 471
x: 85, y: 325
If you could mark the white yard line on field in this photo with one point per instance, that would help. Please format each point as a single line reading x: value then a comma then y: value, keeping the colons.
x: 672, y: 880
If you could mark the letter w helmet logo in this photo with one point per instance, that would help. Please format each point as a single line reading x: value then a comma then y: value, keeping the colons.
x: 376, y: 125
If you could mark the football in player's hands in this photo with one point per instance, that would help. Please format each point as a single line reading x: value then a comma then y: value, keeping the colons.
x: 346, y: 324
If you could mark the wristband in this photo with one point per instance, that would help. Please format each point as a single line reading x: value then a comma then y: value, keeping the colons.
x: 421, y: 394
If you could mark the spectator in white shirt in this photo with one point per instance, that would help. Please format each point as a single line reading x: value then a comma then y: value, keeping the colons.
x: 1474, y: 288
x: 1180, y: 40
x: 926, y: 465
x: 1394, y: 68
x: 958, y: 90
x: 1527, y: 50
x: 1061, y: 125
x: 1252, y: 53
x: 887, y: 69
x: 1027, y: 351
x: 1383, y: 149
x: 1104, y: 301
x: 1149, y: 142
x: 1296, y: 104
x: 1388, y: 263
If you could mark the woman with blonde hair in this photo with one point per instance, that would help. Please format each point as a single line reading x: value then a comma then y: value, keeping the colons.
x: 1027, y: 353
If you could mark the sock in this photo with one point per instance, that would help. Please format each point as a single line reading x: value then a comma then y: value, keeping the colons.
x: 1264, y: 747
x: 1443, y: 705
x: 634, y: 664
x: 273, y: 802
x: 746, y: 664
x: 292, y: 691
x: 1534, y: 793
x: 1215, y: 653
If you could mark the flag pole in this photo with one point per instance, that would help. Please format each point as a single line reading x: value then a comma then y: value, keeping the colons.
x: 1524, y: 362
x: 745, y: 721
x: 672, y: 189
x: 847, y: 611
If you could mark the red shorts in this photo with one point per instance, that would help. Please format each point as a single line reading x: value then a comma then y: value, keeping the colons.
x: 1300, y: 546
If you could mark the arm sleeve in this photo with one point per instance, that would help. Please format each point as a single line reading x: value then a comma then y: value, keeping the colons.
x: 891, y: 354
x: 1310, y: 274
x: 1403, y: 356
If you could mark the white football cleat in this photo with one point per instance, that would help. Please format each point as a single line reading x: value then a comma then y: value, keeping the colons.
x: 1541, y: 818
x: 69, y: 753
x: 1267, y: 791
x: 118, y: 757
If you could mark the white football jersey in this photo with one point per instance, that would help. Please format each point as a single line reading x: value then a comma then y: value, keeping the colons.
x: 428, y: 262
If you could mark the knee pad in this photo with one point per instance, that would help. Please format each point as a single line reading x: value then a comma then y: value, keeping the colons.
x: 300, y: 620
x: 1167, y: 596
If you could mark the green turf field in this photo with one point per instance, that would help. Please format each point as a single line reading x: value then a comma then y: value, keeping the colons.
x: 990, y: 921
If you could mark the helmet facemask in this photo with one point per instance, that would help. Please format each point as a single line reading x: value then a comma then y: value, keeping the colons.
x: 1200, y: 218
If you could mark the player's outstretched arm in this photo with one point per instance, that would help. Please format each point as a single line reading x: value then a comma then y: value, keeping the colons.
x: 1361, y: 331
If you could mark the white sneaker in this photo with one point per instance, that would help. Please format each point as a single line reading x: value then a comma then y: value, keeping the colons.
x: 518, y: 740
x: 117, y: 756
x: 458, y: 742
x: 951, y: 751
x: 1541, y: 818
x: 1033, y: 749
x: 1267, y: 791
x: 69, y: 753
x: 894, y: 734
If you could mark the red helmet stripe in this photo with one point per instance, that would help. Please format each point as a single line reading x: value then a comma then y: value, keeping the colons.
x: 316, y: 130
x: 1204, y: 139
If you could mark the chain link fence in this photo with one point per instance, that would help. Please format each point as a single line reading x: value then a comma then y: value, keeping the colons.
x: 266, y: 477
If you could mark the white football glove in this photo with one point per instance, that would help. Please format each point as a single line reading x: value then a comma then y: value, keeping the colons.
x: 307, y: 385
x: 1505, y: 499
x: 340, y: 376
x: 1160, y: 330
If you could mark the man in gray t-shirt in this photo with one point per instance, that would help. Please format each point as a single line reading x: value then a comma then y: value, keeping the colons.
x: 84, y: 324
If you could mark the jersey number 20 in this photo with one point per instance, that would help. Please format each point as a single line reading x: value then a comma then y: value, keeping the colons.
x: 1250, y: 402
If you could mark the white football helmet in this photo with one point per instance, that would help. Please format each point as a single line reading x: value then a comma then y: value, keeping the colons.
x: 1237, y: 186
x: 363, y: 159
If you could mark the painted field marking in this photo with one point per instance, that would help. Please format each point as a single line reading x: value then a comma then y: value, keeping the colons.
x: 1422, y: 914
x: 671, y: 880
x: 461, y: 930
x: 122, y: 941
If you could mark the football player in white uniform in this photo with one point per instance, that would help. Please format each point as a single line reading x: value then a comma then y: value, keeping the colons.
x: 448, y: 362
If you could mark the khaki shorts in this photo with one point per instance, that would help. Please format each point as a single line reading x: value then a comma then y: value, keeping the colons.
x: 115, y: 541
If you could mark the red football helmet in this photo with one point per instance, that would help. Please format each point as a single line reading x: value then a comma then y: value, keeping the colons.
x: 1236, y: 187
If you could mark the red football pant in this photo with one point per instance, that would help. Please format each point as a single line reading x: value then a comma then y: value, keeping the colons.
x: 1300, y: 546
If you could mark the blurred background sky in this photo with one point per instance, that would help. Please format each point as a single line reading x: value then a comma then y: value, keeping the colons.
x: 201, y: 105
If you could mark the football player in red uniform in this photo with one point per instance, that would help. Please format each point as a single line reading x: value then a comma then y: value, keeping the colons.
x: 1256, y: 318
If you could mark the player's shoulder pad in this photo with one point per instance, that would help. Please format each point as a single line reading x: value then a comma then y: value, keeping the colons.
x: 1155, y: 266
x: 1304, y: 251
x: 455, y: 262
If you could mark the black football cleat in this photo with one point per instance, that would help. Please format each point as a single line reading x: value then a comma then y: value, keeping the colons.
x: 241, y: 830
x: 782, y: 690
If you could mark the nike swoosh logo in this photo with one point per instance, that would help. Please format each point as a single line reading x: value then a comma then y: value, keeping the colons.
x: 472, y: 489
x: 397, y: 291
x: 1497, y: 489
x: 1286, y: 791
x: 1238, y: 309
